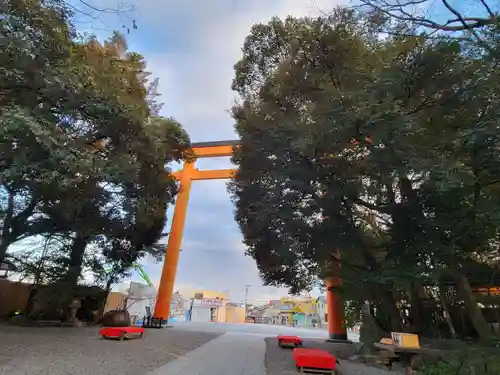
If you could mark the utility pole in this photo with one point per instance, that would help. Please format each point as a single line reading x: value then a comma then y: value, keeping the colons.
x: 246, y: 300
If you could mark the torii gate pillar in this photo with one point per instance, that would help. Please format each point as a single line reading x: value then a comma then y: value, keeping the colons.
x: 166, y: 287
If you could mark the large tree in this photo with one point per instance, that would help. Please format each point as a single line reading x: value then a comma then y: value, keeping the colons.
x: 127, y: 199
x: 344, y: 135
x: 84, y: 149
x: 36, y: 154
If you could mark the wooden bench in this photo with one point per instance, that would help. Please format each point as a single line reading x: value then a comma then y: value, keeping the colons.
x: 289, y: 341
x: 314, y: 360
x: 406, y: 356
x: 388, y: 358
x: 121, y: 333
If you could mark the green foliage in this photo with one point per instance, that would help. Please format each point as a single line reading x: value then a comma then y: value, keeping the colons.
x: 463, y: 359
x: 441, y: 368
x: 83, y: 148
x: 383, y: 148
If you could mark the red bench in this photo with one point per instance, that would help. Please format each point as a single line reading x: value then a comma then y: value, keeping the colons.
x: 314, y: 360
x: 293, y: 341
x: 121, y: 333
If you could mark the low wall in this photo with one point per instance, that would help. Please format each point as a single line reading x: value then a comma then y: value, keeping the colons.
x: 235, y: 314
x: 13, y: 296
x: 114, y: 301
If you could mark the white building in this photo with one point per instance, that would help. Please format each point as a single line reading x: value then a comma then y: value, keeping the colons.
x: 322, y: 306
x: 139, y: 297
x: 198, y: 306
x: 206, y: 310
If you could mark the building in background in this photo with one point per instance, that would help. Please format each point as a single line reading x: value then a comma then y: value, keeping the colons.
x: 213, y: 306
x: 235, y: 312
x: 186, y: 305
x: 288, y: 311
x: 138, y: 297
x: 207, y: 310
x: 322, y: 311
x: 206, y: 306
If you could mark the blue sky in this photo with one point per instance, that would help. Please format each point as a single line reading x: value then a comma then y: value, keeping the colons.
x: 192, y: 47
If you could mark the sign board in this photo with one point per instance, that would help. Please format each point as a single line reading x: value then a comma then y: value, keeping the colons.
x: 198, y: 296
x: 211, y: 302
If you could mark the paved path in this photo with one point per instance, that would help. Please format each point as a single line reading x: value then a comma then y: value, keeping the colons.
x: 267, y: 330
x: 80, y: 351
x: 185, y: 349
x: 229, y: 354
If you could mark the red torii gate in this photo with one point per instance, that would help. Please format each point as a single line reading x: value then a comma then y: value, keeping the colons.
x: 185, y: 177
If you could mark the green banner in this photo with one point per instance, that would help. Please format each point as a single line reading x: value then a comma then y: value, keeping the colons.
x: 140, y: 270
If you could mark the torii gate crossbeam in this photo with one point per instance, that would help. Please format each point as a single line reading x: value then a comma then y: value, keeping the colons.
x: 185, y: 177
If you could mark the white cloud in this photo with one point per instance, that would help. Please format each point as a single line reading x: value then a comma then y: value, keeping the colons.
x: 192, y: 46
x: 197, y: 83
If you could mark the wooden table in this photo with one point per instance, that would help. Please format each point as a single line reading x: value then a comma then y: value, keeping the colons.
x: 407, y: 355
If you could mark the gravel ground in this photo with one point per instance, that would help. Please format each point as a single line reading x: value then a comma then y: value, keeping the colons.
x: 80, y: 351
x: 279, y: 361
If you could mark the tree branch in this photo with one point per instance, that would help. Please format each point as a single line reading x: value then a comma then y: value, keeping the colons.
x: 9, y: 214
x: 20, y: 219
x: 370, y: 206
x: 398, y: 12
x: 462, y: 20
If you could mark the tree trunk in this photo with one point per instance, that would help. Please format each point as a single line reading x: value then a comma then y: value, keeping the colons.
x: 76, y: 259
x: 4, y: 245
x: 388, y: 303
x: 421, y: 317
x: 74, y: 270
x: 7, y: 223
x: 38, y: 276
x: 416, y: 311
x: 30, y: 303
x: 370, y: 331
x: 477, y: 318
x: 446, y: 311
x: 390, y: 308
